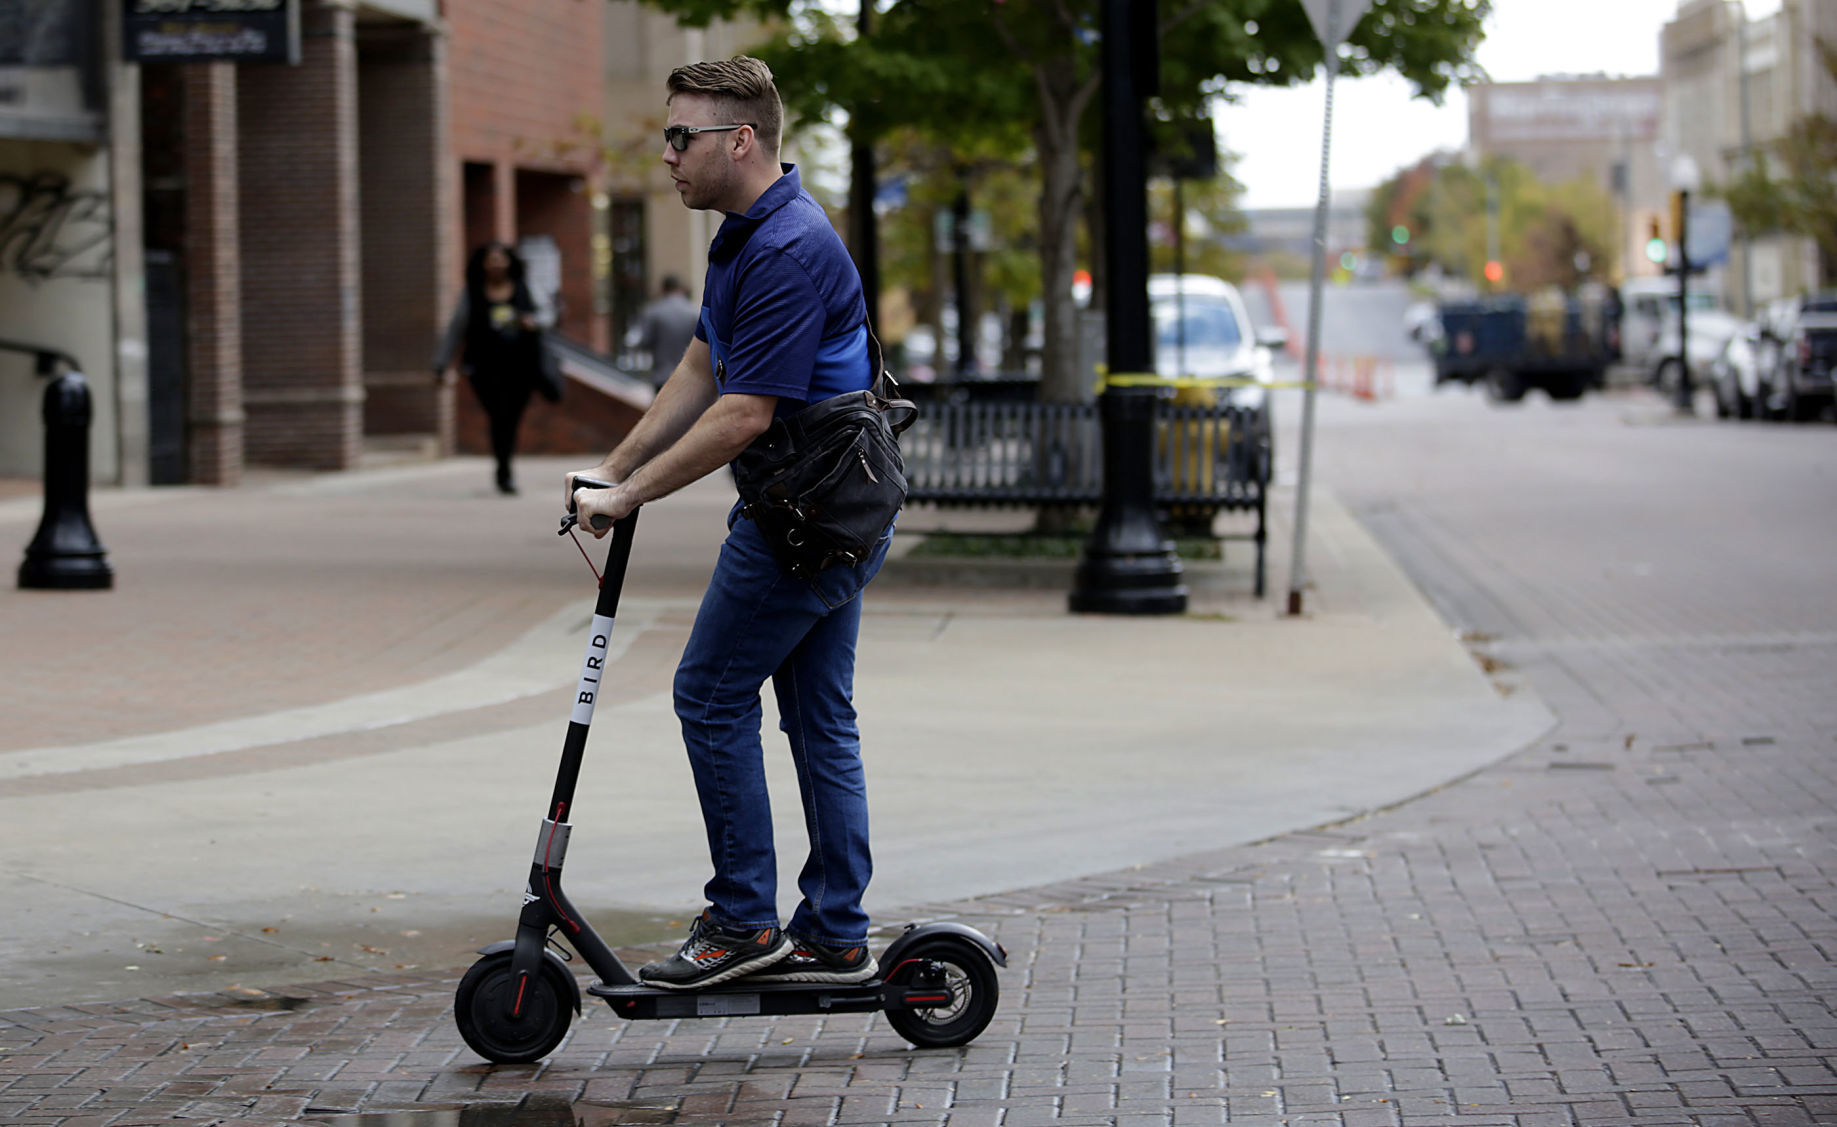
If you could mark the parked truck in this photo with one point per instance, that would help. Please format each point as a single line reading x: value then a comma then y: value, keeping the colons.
x: 1511, y: 343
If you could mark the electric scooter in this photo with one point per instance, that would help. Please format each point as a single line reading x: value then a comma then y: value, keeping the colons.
x: 937, y: 983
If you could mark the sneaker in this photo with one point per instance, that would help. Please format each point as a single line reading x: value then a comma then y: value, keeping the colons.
x: 713, y: 953
x: 816, y: 962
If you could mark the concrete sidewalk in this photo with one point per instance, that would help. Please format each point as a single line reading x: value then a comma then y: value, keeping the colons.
x: 309, y: 734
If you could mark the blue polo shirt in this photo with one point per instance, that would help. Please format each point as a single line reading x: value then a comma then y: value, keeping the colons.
x: 782, y: 312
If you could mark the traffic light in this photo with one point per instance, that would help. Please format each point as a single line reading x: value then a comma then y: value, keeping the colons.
x: 1656, y: 251
x: 1400, y: 235
x: 1495, y: 272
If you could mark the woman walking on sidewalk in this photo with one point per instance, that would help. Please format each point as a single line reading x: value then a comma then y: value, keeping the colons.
x: 496, y: 331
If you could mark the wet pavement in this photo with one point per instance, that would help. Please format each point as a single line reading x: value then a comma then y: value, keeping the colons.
x: 311, y: 732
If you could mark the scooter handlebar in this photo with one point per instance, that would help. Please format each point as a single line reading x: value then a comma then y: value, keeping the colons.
x: 599, y: 521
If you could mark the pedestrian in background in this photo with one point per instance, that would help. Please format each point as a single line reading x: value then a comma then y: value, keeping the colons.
x: 666, y: 327
x: 496, y: 335
x: 783, y: 325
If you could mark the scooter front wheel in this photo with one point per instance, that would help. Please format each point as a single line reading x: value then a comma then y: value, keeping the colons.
x: 959, y: 964
x: 498, y: 1028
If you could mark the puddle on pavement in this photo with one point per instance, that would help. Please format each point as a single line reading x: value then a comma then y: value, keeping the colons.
x: 530, y: 1113
x: 266, y: 1003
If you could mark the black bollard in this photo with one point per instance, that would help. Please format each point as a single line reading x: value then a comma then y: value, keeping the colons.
x: 65, y: 554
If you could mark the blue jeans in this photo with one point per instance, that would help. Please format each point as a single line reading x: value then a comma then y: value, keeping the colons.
x: 758, y: 621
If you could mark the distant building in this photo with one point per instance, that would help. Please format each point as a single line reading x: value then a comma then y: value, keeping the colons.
x: 1733, y: 87
x: 1290, y: 230
x: 651, y: 233
x: 1590, y: 127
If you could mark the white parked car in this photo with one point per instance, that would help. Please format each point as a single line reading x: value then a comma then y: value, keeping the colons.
x: 1799, y: 386
x: 1735, y: 374
x: 1202, y: 330
x: 1709, y: 331
x: 1648, y: 307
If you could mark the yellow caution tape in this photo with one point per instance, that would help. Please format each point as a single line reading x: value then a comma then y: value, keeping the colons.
x: 1192, y: 383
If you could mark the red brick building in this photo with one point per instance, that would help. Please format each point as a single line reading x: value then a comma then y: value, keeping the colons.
x: 525, y: 144
x: 307, y: 225
x: 525, y: 83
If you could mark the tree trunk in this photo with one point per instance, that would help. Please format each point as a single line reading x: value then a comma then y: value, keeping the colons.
x: 1062, y: 102
x: 1061, y: 206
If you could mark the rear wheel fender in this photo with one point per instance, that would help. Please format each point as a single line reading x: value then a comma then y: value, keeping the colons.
x: 918, y: 932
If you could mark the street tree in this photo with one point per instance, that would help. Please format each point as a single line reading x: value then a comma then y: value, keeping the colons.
x: 1549, y: 234
x: 1792, y: 189
x: 1004, y: 273
x: 1020, y: 74
x: 1210, y: 213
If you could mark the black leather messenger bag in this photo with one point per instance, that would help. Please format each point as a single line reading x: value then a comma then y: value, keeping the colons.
x: 824, y: 483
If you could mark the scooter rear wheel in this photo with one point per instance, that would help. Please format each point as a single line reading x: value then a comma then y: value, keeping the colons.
x: 482, y: 1009
x: 974, y: 993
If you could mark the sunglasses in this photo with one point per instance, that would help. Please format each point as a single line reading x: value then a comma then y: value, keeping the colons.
x: 679, y: 136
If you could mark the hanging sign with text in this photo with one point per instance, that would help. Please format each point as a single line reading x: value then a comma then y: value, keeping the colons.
x: 201, y: 31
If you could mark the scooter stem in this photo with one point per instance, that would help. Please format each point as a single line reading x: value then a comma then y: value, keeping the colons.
x: 544, y: 903
x: 593, y: 665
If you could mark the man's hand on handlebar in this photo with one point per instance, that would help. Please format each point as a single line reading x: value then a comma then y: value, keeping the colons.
x: 598, y: 473
x: 598, y: 508
x: 595, y: 501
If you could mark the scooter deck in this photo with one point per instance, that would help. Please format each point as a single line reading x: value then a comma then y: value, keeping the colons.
x: 740, y: 998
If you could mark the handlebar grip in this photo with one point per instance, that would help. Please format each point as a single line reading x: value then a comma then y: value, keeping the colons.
x: 600, y: 521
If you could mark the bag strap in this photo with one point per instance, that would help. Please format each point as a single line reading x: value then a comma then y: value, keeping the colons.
x: 884, y: 395
x: 877, y: 361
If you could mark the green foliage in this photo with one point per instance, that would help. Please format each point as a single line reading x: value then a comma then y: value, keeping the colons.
x: 1015, y: 80
x: 1542, y: 227
x: 910, y: 258
x: 1793, y: 188
x: 1211, y: 214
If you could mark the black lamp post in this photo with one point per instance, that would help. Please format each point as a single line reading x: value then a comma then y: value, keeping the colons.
x: 1129, y: 565
x: 1686, y: 391
x: 863, y: 234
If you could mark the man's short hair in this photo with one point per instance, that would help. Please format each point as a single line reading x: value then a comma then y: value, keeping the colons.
x: 742, y: 90
x: 673, y: 284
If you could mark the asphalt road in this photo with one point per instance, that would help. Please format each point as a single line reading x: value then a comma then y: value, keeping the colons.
x: 1359, y: 320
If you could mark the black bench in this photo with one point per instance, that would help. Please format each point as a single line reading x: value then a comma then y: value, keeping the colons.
x: 1001, y: 453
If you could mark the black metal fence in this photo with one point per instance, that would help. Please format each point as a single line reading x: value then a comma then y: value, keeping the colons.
x: 993, y: 453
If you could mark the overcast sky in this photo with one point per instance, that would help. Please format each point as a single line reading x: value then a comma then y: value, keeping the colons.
x: 1378, y: 127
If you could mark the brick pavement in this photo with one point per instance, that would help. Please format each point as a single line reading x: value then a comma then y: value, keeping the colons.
x: 1630, y: 922
x: 1633, y: 935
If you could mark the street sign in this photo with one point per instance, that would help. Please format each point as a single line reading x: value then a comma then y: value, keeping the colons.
x: 1712, y: 230
x: 1332, y: 20
x: 1321, y: 13
x: 236, y: 31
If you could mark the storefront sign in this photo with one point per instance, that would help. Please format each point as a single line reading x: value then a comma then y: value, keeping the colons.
x: 197, y: 31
